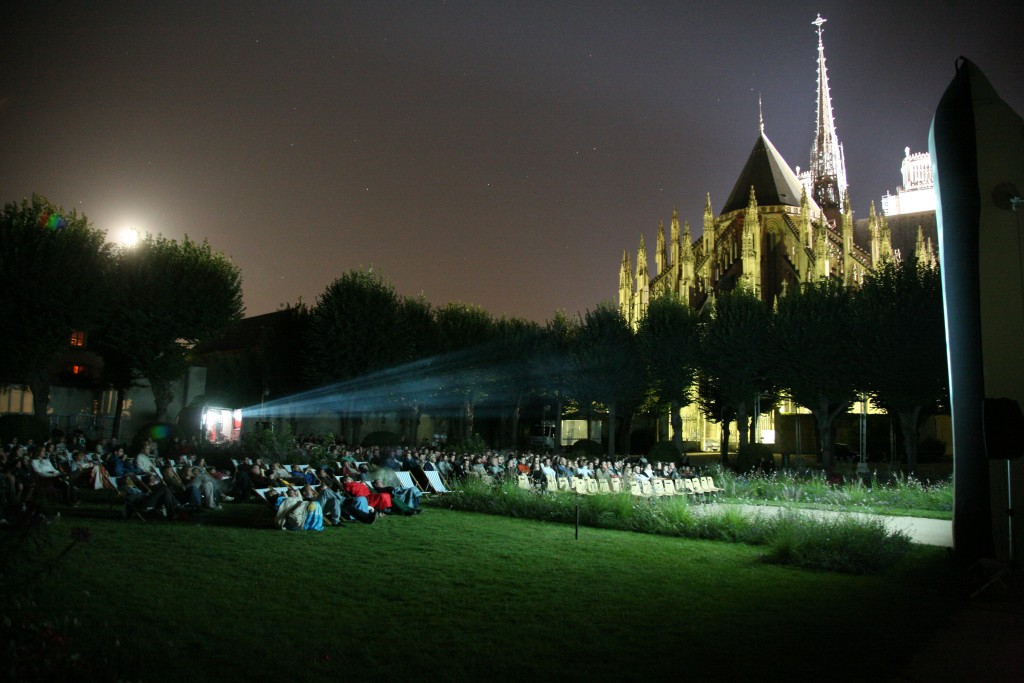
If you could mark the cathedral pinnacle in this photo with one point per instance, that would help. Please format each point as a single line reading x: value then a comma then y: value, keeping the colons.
x: 828, y: 166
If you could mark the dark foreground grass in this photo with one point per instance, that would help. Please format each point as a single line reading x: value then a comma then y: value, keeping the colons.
x: 463, y: 596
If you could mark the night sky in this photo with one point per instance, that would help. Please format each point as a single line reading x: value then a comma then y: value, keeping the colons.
x: 499, y: 154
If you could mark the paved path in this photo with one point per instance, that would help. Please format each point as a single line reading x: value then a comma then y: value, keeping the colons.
x: 924, y: 531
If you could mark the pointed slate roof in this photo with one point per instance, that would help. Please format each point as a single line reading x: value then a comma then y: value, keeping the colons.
x: 774, y: 182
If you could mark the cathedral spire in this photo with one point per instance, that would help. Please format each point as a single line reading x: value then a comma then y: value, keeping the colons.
x: 828, y: 167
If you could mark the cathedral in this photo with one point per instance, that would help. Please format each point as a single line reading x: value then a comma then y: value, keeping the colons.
x: 778, y: 228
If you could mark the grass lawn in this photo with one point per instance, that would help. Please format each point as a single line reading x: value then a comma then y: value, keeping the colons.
x: 459, y: 596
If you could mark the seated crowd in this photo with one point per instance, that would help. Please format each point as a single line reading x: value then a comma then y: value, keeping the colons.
x: 358, y: 486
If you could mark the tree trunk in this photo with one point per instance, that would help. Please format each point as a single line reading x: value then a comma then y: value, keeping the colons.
x: 115, y: 427
x: 39, y: 383
x: 741, y: 423
x: 357, y: 429
x: 163, y: 394
x: 908, y: 425
x: 558, y: 424
x: 611, y: 431
x: 824, y: 422
x: 516, y: 412
x: 724, y: 446
x: 467, y: 412
x: 676, y: 420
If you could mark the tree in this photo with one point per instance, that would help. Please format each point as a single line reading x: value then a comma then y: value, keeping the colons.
x: 169, y: 296
x: 816, y: 348
x: 669, y: 340
x: 465, y: 332
x: 355, y: 330
x: 609, y: 368
x: 552, y: 364
x: 734, y: 359
x: 517, y: 342
x: 53, y: 269
x: 905, y: 344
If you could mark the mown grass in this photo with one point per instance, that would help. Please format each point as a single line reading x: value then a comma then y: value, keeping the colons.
x: 460, y: 596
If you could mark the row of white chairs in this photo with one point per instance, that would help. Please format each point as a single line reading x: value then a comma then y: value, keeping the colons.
x: 684, y: 486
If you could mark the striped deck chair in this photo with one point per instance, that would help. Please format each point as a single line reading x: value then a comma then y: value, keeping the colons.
x: 405, y: 480
x: 435, y: 482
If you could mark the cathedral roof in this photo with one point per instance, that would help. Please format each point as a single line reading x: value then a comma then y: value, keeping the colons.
x: 773, y: 181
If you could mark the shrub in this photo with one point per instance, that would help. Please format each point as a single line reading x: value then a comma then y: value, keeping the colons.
x: 269, y: 444
x: 381, y: 438
x: 160, y: 432
x: 664, y: 451
x: 931, y: 450
x: 844, y: 544
x: 588, y: 448
x: 751, y: 455
x: 22, y: 427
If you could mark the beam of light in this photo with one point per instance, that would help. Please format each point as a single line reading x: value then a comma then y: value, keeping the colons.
x: 439, y: 382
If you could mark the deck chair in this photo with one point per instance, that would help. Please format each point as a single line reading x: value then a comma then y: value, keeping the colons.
x: 563, y: 484
x: 579, y: 485
x: 524, y: 481
x: 550, y: 484
x: 615, y: 485
x: 657, y: 487
x: 635, y: 489
x: 436, y: 483
x: 405, y: 480
x: 603, y: 486
x: 262, y: 493
x: 592, y: 487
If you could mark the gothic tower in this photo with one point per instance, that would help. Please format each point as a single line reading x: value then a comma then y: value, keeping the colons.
x: 828, y: 167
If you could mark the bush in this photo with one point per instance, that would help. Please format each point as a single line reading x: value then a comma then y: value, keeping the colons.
x: 269, y: 444
x: 381, y: 438
x: 22, y: 427
x: 931, y: 450
x: 751, y: 455
x: 160, y: 432
x: 588, y: 448
x: 844, y: 544
x: 664, y: 451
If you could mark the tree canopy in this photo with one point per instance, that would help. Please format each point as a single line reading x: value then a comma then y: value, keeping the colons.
x: 53, y: 271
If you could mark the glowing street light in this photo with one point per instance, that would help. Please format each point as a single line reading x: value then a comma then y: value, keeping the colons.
x: 128, y: 237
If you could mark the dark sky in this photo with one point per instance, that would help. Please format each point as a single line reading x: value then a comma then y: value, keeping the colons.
x: 500, y: 154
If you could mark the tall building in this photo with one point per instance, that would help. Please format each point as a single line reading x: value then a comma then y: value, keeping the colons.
x: 775, y: 230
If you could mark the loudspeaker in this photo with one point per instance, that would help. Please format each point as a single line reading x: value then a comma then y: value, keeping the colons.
x: 1004, y: 429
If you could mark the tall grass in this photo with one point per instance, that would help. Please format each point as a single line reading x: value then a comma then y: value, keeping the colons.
x: 814, y: 488
x: 850, y: 545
